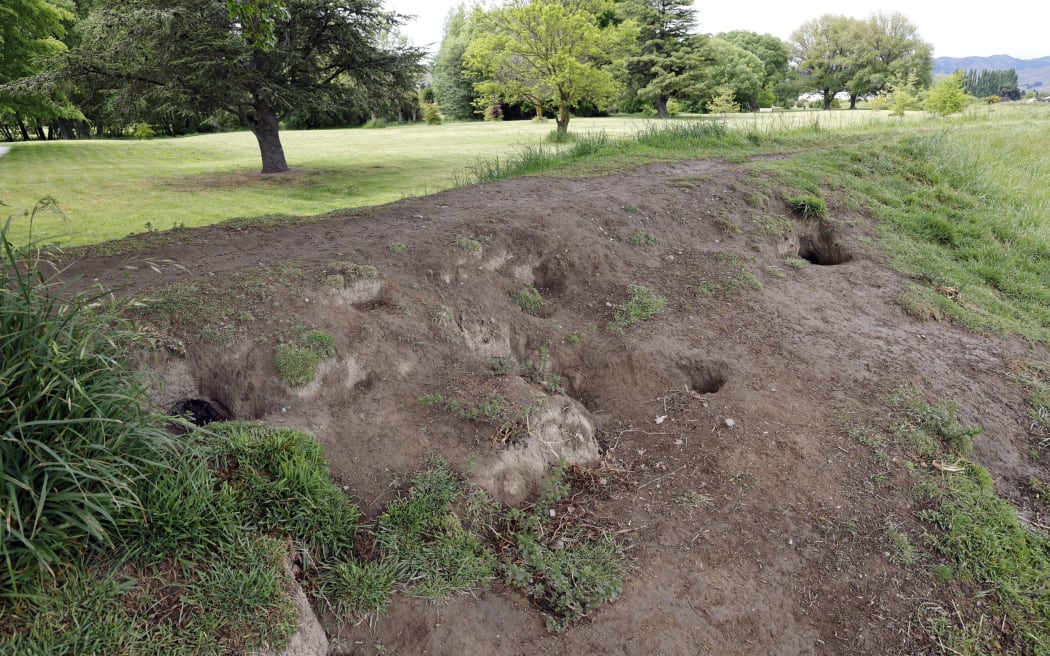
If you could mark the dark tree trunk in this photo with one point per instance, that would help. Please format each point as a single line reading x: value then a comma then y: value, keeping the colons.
x: 828, y: 96
x: 661, y: 107
x: 83, y: 130
x: 40, y: 133
x: 23, y: 130
x: 265, y: 126
x: 853, y: 101
x: 563, y: 118
x: 539, y: 111
x: 65, y: 126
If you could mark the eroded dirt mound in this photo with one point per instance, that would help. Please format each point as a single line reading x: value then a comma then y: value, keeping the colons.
x: 719, y: 428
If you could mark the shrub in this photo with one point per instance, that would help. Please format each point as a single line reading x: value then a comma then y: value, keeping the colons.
x: 143, y: 131
x: 431, y: 114
x: 75, y: 436
x: 374, y: 124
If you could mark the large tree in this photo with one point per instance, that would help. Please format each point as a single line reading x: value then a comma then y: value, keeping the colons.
x: 256, y: 59
x: 887, y: 51
x: 556, y: 50
x: 669, y: 62
x: 771, y: 51
x: 821, y: 51
x: 453, y: 88
x: 31, y: 31
x: 737, y: 70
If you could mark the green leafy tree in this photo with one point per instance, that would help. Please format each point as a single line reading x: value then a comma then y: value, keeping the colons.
x: 738, y: 70
x: 771, y: 51
x: 556, y: 50
x: 256, y: 59
x: 670, y: 62
x: 821, y: 52
x: 31, y: 31
x: 947, y: 96
x: 453, y: 87
x: 886, y: 51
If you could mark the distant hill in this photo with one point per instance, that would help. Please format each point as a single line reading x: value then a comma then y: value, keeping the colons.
x: 1031, y: 73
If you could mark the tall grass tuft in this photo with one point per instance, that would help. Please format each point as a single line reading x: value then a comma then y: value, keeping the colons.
x: 75, y: 437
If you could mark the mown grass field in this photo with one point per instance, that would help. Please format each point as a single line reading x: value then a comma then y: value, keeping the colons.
x: 109, y: 189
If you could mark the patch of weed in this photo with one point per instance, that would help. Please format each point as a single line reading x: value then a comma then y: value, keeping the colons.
x: 572, y: 340
x: 797, y: 262
x: 502, y: 365
x: 639, y: 238
x: 902, y: 551
x: 642, y: 304
x: 631, y: 209
x: 528, y: 299
x: 928, y: 429
x: 728, y: 227
x: 397, y: 247
x: 470, y: 243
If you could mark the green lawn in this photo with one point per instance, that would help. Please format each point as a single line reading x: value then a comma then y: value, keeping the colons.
x: 111, y: 188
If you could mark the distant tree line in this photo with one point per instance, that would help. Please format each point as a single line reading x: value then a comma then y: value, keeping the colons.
x: 986, y: 84
x: 88, y: 68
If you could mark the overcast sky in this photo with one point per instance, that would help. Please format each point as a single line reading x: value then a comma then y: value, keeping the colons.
x: 1020, y: 28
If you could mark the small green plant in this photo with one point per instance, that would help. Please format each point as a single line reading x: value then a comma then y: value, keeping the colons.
x: 297, y: 361
x: 143, y: 131
x: 642, y: 304
x: 797, y: 262
x: 528, y: 299
x: 808, y: 207
x: 469, y: 243
x: 353, y: 588
x: 567, y: 583
x: 631, y: 209
x: 397, y: 247
x: 728, y: 227
x: 374, y: 124
x: 572, y: 340
x: 502, y: 365
x: 639, y: 238
x: 902, y: 552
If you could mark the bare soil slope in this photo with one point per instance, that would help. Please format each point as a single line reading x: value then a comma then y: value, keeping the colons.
x: 714, y: 439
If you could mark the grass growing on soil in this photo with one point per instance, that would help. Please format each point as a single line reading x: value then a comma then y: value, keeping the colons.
x: 979, y: 545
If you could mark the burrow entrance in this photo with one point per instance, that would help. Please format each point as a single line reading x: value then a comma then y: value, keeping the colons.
x: 201, y: 412
x: 823, y: 250
x: 706, y: 377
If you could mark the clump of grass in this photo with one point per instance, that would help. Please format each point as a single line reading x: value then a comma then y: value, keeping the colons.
x: 469, y: 243
x: 559, y: 137
x: 374, y: 124
x: 420, y: 533
x: 75, y: 436
x: 297, y: 361
x: 353, y: 588
x: 631, y: 209
x: 528, y: 299
x: 280, y: 482
x: 797, y: 262
x: 642, y: 304
x: 397, y: 247
x: 572, y: 340
x: 808, y: 207
x: 902, y: 551
x: 928, y: 429
x: 639, y: 238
